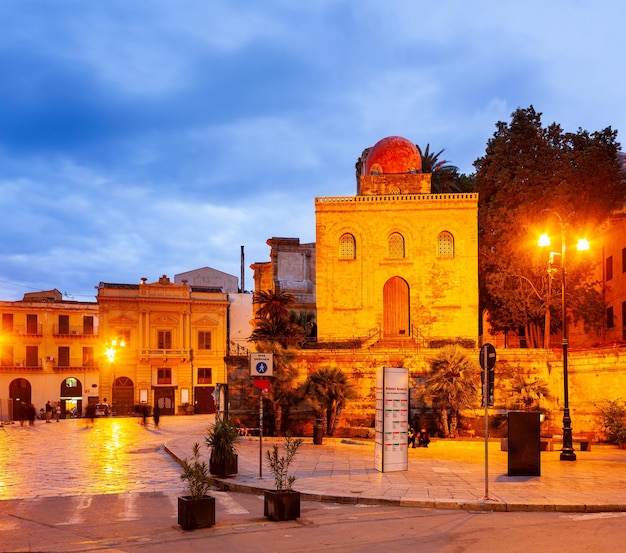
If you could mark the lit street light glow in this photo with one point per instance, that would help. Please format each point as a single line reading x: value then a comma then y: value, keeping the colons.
x: 567, y: 453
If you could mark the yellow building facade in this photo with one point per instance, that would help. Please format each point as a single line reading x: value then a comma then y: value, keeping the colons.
x: 166, y: 344
x: 396, y: 262
x: 48, y: 353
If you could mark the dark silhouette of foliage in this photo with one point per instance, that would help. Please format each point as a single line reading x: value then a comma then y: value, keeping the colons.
x: 528, y: 168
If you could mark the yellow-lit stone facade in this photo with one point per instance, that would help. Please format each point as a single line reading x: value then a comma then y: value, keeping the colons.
x: 395, y: 261
x: 167, y: 344
x: 48, y: 352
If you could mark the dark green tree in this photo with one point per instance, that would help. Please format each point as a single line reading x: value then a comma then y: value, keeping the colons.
x: 453, y: 384
x: 528, y: 168
x: 328, y: 390
x: 444, y: 175
x: 276, y: 332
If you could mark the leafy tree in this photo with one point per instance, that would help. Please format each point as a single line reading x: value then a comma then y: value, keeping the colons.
x: 275, y: 332
x: 454, y: 384
x: 529, y: 390
x: 328, y: 390
x: 529, y: 168
x: 275, y: 323
x: 444, y: 175
x: 273, y: 304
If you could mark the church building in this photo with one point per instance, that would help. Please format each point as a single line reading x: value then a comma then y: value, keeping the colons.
x: 396, y: 262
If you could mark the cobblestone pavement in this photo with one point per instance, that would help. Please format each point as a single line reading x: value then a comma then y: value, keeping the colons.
x: 75, y: 457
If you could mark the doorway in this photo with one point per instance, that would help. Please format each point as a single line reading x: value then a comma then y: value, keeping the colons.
x: 205, y: 403
x: 396, y: 308
x: 164, y: 398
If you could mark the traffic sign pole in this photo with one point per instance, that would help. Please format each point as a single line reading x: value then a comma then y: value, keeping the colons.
x: 487, y: 359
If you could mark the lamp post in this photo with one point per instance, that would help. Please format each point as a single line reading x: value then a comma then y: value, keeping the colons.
x: 567, y: 453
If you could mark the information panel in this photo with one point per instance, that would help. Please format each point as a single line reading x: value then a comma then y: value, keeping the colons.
x: 391, y: 452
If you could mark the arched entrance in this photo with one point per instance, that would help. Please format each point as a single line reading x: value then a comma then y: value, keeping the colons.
x: 19, y: 393
x: 164, y: 398
x: 123, y: 398
x: 396, y: 308
x: 71, y: 396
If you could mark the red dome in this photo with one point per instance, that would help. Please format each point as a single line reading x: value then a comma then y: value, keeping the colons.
x: 393, y: 154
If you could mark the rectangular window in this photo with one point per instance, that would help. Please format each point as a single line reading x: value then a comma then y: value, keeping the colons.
x: 204, y: 376
x: 63, y: 356
x: 31, y: 324
x: 64, y: 324
x: 610, y: 320
x: 609, y: 268
x: 32, y: 356
x: 204, y: 340
x: 88, y: 324
x: 164, y: 376
x: 6, y: 356
x: 164, y: 339
x: 88, y: 358
x: 7, y: 323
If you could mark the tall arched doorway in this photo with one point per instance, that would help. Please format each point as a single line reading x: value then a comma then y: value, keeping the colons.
x: 123, y: 397
x: 396, y: 308
x: 19, y: 392
x: 71, y: 396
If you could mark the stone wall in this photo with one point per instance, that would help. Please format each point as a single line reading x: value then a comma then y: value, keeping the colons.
x: 594, y: 375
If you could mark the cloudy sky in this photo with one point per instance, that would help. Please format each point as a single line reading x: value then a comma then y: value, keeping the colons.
x: 149, y: 137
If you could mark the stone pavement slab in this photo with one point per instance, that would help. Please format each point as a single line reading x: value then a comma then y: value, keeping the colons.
x: 449, y: 474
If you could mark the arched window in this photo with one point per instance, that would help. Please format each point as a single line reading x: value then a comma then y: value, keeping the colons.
x: 396, y: 246
x: 395, y: 190
x: 347, y: 247
x: 445, y: 245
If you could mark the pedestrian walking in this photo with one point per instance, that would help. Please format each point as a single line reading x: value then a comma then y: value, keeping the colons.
x: 32, y: 414
x: 57, y: 412
x: 48, y: 411
x: 156, y: 415
x: 90, y: 413
x: 144, y: 415
x: 22, y: 412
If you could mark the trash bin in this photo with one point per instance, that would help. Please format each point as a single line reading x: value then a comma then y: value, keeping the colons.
x: 318, y: 432
x: 524, y: 444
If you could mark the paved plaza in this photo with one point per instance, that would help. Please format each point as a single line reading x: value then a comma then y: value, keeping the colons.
x: 75, y: 457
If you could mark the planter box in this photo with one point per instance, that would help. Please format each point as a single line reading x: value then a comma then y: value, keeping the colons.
x: 196, y: 513
x: 227, y: 468
x: 281, y: 505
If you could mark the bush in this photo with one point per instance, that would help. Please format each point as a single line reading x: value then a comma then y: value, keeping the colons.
x: 613, y: 413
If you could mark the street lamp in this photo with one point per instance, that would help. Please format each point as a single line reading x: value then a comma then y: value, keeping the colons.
x: 567, y: 453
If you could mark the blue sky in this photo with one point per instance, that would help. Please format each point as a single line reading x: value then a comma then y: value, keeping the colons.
x: 141, y: 138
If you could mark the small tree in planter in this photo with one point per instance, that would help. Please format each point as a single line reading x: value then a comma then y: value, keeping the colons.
x: 221, y: 439
x: 282, y: 503
x: 196, y: 510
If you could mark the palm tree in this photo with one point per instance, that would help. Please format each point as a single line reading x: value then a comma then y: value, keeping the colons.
x: 283, y: 395
x: 273, y: 304
x: 328, y: 390
x: 530, y: 390
x: 444, y: 174
x: 454, y: 384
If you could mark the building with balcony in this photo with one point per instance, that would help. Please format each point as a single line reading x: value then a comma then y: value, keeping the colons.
x: 165, y: 345
x: 48, y: 352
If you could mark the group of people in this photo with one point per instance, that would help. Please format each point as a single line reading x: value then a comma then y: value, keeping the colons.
x: 421, y: 437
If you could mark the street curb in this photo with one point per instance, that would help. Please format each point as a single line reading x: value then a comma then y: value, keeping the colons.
x: 489, y: 505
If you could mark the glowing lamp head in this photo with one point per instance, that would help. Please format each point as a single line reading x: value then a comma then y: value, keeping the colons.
x: 544, y: 240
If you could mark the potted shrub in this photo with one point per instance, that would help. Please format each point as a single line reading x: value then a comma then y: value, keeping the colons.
x: 282, y: 503
x: 221, y: 439
x: 196, y: 510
